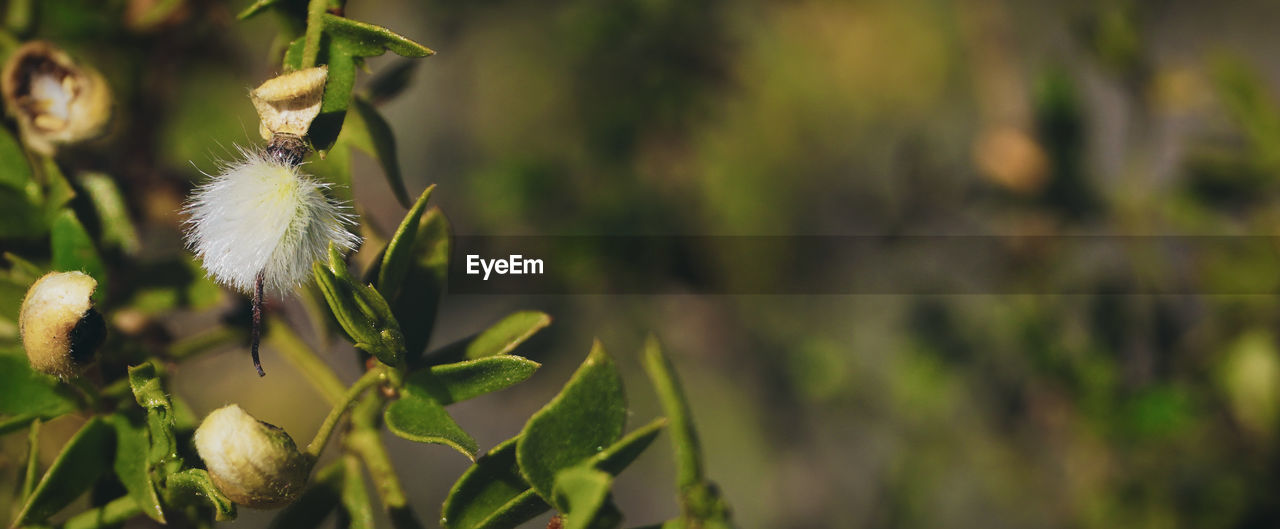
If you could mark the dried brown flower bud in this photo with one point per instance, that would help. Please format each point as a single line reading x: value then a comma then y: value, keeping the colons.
x: 287, y: 104
x: 54, y: 99
x: 60, y: 329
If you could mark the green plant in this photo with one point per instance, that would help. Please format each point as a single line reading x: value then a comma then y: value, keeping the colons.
x: 136, y: 436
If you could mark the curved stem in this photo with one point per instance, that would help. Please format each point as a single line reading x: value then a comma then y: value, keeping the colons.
x: 370, y: 379
x: 300, y: 355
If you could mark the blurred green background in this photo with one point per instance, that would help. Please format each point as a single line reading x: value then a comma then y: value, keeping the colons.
x: 806, y: 117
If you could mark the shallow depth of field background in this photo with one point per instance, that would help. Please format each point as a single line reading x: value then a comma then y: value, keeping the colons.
x: 812, y: 117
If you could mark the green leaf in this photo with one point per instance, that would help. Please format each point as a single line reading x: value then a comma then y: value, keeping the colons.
x: 15, y: 168
x: 108, y: 202
x: 361, y: 311
x: 368, y: 40
x: 194, y: 487
x: 317, y: 502
x: 132, y: 465
x: 579, y: 423
x: 492, y: 494
x: 57, y: 191
x: 73, y: 249
x: 148, y: 391
x: 424, y: 284
x: 418, y: 417
x: 355, y: 499
x: 676, y: 407
x: 372, y: 134
x: 20, y: 218
x: 399, y: 254
x: 26, y: 392
x: 700, y: 502
x: 619, y: 455
x: 84, y: 458
x: 582, y: 495
x: 499, y: 339
x: 450, y: 383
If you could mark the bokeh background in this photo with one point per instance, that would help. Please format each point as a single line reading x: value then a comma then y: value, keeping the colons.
x: 1095, y: 408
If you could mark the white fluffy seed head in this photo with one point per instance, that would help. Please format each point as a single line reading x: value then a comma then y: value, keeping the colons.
x: 261, y: 215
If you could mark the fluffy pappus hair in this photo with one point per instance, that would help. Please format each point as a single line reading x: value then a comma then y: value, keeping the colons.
x: 262, y: 215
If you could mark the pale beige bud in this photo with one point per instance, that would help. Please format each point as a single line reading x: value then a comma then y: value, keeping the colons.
x: 60, y: 329
x: 54, y: 99
x: 253, y: 463
x: 287, y: 104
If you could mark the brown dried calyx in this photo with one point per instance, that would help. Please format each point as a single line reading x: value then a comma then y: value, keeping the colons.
x: 55, y: 100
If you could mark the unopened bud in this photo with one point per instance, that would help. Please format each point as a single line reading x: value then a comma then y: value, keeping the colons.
x: 60, y: 329
x: 54, y: 99
x: 253, y: 463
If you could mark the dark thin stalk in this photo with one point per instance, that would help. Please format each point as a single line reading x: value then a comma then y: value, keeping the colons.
x: 256, y: 332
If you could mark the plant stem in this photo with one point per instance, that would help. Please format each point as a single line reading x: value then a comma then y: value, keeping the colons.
x: 311, y: 46
x: 366, y: 442
x: 371, y: 378
x: 109, y: 515
x: 33, y: 463
x: 297, y: 353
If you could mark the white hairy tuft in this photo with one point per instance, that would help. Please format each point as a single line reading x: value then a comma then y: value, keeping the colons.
x: 261, y: 215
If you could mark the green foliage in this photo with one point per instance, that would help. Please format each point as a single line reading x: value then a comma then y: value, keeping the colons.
x: 83, y: 459
x: 26, y: 394
x: 361, y: 311
x: 135, y: 442
x: 587, y: 416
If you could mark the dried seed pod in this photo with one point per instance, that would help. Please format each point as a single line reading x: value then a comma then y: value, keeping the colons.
x: 287, y: 104
x: 60, y: 329
x: 253, y: 463
x: 55, y: 100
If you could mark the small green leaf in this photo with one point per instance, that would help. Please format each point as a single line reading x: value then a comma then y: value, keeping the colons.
x: 57, y: 190
x: 499, y: 339
x: 355, y: 499
x: 417, y: 417
x: 372, y: 134
x: 193, y: 487
x: 15, y: 168
x: 361, y: 311
x: 26, y: 392
x: 424, y: 284
x: 619, y: 455
x: 132, y: 465
x: 73, y: 249
x: 108, y: 202
x: 368, y: 40
x: 450, y: 383
x: 700, y: 502
x: 492, y: 494
x: 582, y: 495
x: 84, y: 458
x: 148, y: 391
x: 400, y: 251
x: 317, y: 502
x: 587, y: 416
